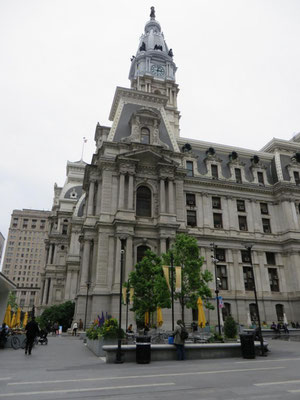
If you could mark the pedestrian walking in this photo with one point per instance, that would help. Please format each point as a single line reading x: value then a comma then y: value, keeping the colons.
x: 31, y: 330
x: 75, y: 327
x: 180, y: 335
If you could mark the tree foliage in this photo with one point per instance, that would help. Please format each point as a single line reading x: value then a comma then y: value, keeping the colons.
x: 230, y: 328
x: 194, y: 281
x: 150, y: 287
x: 12, y: 301
x: 61, y: 313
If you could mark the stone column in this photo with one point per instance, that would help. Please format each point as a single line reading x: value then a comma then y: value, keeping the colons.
x: 98, y: 198
x: 49, y: 255
x: 85, y: 263
x: 163, y: 246
x: 90, y: 208
x: 46, y: 283
x: 117, y: 264
x: 255, y: 217
x: 207, y: 211
x: 128, y: 258
x: 171, y: 197
x: 232, y: 212
x: 130, y: 193
x: 162, y: 196
x: 50, y: 298
x: 121, y: 191
x: 68, y: 284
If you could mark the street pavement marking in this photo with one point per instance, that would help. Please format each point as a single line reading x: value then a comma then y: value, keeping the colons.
x: 294, y: 391
x: 146, y: 376
x: 276, y: 383
x: 262, y: 361
x: 85, y: 390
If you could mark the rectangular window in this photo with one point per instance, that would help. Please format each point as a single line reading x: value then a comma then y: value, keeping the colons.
x: 190, y: 199
x: 191, y: 218
x: 243, y: 223
x: 240, y: 205
x: 270, y: 258
x: 274, y: 281
x: 266, y: 225
x: 264, y: 208
x: 260, y: 178
x: 190, y: 168
x: 248, y: 278
x: 218, y: 223
x: 214, y: 171
x: 222, y: 275
x: 238, y: 175
x: 245, y: 256
x: 220, y: 254
x: 216, y: 203
x: 296, y: 177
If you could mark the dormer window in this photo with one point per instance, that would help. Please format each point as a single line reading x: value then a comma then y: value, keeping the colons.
x: 190, y: 168
x: 145, y: 135
x: 260, y: 178
x: 238, y: 175
x: 296, y: 177
x: 214, y: 171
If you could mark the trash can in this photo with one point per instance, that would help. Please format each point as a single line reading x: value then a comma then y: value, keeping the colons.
x: 143, y: 349
x: 247, y: 346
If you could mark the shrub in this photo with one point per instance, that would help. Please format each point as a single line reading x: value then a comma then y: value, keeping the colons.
x: 109, y: 330
x: 230, y: 328
x: 62, y: 313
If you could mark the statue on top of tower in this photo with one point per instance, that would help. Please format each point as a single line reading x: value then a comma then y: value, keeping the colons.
x: 152, y: 14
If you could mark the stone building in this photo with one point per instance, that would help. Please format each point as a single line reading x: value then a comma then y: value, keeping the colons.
x: 146, y: 183
x: 24, y: 256
x: 2, y: 241
x: 60, y: 275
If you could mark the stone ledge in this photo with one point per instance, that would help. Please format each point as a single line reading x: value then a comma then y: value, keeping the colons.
x: 165, y: 352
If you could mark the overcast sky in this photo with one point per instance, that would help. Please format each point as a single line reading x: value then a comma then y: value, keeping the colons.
x: 61, y: 60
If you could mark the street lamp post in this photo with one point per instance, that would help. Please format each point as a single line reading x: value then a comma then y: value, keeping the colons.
x: 172, y: 288
x: 127, y: 301
x: 262, y: 349
x: 215, y: 261
x: 119, y: 350
x: 86, y: 302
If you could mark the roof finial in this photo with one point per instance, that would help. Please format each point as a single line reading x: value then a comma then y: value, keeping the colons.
x: 152, y: 14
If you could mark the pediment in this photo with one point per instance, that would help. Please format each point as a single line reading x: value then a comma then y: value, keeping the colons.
x: 148, y: 157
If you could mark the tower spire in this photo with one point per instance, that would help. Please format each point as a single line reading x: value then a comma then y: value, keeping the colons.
x: 152, y: 14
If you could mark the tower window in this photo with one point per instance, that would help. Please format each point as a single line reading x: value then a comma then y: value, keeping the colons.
x: 274, y: 281
x: 145, y: 136
x: 222, y: 275
x: 141, y: 253
x: 243, y: 223
x: 143, y: 202
x: 190, y: 199
x: 264, y: 208
x: 240, y: 205
x: 266, y: 225
x: 296, y: 177
x: 270, y: 258
x: 191, y: 218
x: 248, y: 278
x: 218, y: 223
x: 216, y: 202
x: 190, y: 168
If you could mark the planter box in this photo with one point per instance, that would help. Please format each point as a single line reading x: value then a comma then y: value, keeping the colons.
x: 96, y: 345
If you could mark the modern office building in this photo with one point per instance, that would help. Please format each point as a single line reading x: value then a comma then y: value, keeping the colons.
x: 146, y: 183
x: 24, y: 257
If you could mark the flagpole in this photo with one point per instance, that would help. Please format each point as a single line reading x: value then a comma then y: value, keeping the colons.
x: 84, y: 141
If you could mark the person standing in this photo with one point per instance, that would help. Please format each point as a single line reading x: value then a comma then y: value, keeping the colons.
x: 179, y: 339
x: 75, y: 327
x: 31, y: 330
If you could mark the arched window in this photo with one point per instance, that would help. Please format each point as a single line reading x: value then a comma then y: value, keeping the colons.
x: 145, y: 136
x: 143, y: 202
x: 279, y: 312
x: 226, y: 311
x: 253, y: 312
x: 141, y: 252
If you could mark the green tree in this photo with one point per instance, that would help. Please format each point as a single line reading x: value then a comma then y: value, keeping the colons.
x: 230, y: 328
x: 61, y: 313
x: 150, y: 287
x: 194, y: 281
x: 12, y: 300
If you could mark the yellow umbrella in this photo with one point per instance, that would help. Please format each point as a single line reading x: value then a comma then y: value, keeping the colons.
x: 18, y: 317
x: 7, y: 317
x: 160, y: 320
x: 13, y: 321
x: 25, y: 319
x: 147, y: 319
x: 201, y: 315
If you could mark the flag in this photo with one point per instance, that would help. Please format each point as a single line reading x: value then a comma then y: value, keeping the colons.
x: 147, y: 319
x: 124, y: 294
x: 131, y: 294
x: 166, y: 273
x: 160, y: 320
x: 221, y: 302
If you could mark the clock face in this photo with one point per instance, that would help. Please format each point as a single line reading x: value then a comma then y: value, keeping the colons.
x: 157, y: 70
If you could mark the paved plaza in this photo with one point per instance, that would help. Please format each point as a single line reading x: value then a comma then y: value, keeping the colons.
x: 66, y: 369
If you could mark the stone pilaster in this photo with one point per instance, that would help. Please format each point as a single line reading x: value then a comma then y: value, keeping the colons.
x: 90, y: 208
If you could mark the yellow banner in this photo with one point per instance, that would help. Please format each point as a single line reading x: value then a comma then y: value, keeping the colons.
x: 166, y: 273
x: 131, y: 293
x: 178, y: 279
x: 124, y: 290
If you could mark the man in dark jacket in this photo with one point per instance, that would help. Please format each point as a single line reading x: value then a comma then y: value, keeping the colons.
x: 31, y: 330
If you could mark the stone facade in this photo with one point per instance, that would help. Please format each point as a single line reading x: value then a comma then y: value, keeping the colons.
x: 145, y: 184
